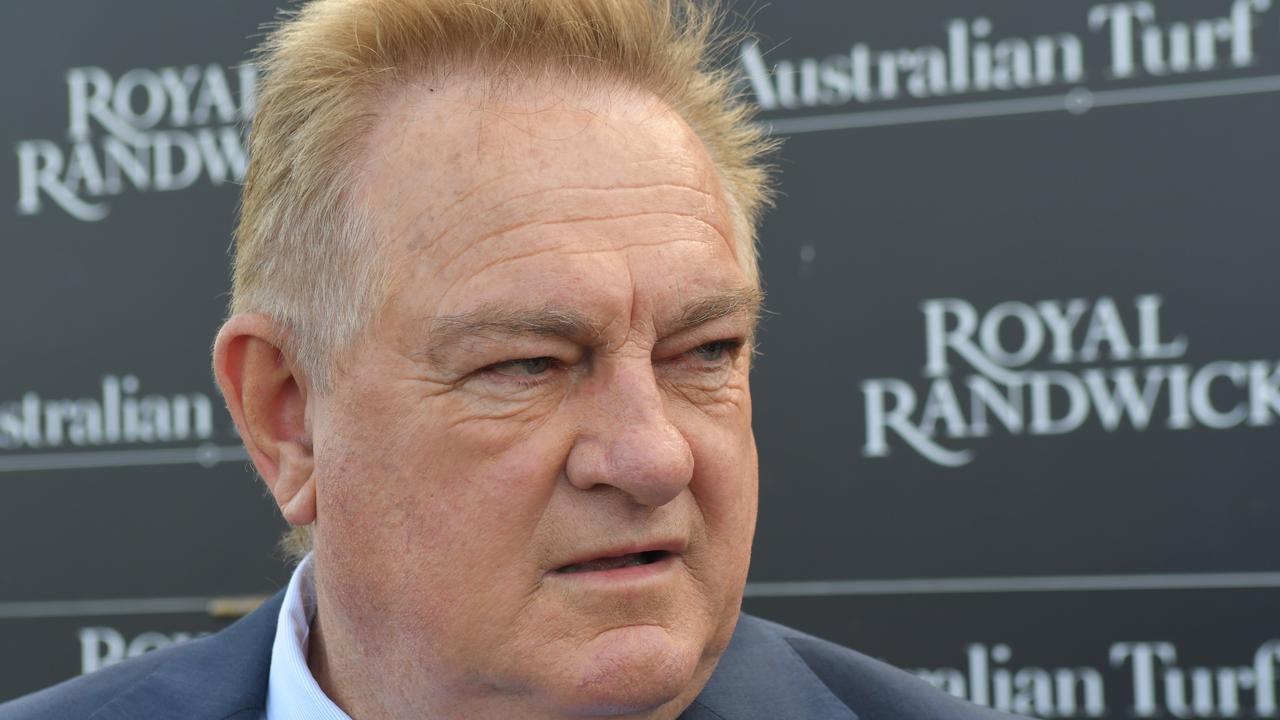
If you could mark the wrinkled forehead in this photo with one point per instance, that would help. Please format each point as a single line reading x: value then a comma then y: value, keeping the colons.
x: 456, y: 151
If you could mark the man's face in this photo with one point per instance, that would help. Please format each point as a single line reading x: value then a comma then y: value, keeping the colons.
x: 536, y: 477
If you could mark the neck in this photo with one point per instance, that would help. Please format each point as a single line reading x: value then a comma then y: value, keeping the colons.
x: 340, y: 684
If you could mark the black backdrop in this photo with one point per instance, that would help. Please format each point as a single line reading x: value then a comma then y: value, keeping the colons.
x: 1017, y: 400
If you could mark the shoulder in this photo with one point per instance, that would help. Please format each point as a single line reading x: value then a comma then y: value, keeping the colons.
x: 80, y: 697
x: 220, y: 676
x: 872, y: 689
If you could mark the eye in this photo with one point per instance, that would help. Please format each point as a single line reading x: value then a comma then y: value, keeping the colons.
x: 528, y: 367
x: 716, y: 352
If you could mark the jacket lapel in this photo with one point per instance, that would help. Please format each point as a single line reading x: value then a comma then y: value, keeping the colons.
x: 760, y: 677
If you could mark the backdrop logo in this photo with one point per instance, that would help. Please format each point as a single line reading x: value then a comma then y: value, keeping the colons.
x: 971, y: 56
x: 1132, y: 376
x: 1158, y: 684
x: 119, y: 415
x: 102, y: 647
x: 152, y: 130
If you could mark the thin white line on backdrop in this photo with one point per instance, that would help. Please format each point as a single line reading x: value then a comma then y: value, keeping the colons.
x: 817, y: 588
x: 1076, y: 101
x: 1026, y: 584
x: 206, y: 455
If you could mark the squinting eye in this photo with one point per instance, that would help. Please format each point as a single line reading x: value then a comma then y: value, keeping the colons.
x: 715, y: 351
x: 526, y: 368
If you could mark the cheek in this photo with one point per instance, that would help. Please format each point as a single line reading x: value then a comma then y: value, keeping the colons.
x: 724, y: 489
x: 726, y: 475
x: 437, y: 496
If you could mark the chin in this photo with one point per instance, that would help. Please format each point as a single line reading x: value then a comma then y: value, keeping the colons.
x: 631, y: 670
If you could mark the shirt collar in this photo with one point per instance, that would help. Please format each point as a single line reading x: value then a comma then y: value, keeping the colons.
x: 292, y: 692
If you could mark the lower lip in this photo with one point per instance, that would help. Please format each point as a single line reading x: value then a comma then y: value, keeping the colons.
x: 630, y: 573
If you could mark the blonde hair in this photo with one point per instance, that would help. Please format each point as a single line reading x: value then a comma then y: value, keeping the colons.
x: 305, y: 255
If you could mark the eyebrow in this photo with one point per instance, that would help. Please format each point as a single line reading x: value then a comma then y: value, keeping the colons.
x: 498, y: 323
x: 744, y: 300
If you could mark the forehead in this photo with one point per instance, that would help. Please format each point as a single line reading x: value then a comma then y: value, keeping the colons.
x: 462, y: 136
x: 460, y: 180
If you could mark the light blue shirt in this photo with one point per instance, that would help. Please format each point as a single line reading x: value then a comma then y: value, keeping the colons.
x: 292, y: 692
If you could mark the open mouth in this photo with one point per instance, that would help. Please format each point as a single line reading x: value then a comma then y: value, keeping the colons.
x: 616, y: 563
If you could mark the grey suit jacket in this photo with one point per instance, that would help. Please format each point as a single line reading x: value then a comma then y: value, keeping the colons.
x: 769, y: 672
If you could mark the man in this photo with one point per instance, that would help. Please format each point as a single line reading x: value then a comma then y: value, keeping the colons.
x: 494, y: 302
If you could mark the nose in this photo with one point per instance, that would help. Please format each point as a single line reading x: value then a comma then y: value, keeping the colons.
x: 629, y: 442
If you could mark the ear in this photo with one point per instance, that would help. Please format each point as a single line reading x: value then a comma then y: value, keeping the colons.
x: 267, y: 398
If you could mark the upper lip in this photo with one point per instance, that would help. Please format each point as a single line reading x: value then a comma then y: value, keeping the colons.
x: 672, y: 546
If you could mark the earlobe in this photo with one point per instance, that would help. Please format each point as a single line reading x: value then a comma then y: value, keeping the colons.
x: 267, y: 398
